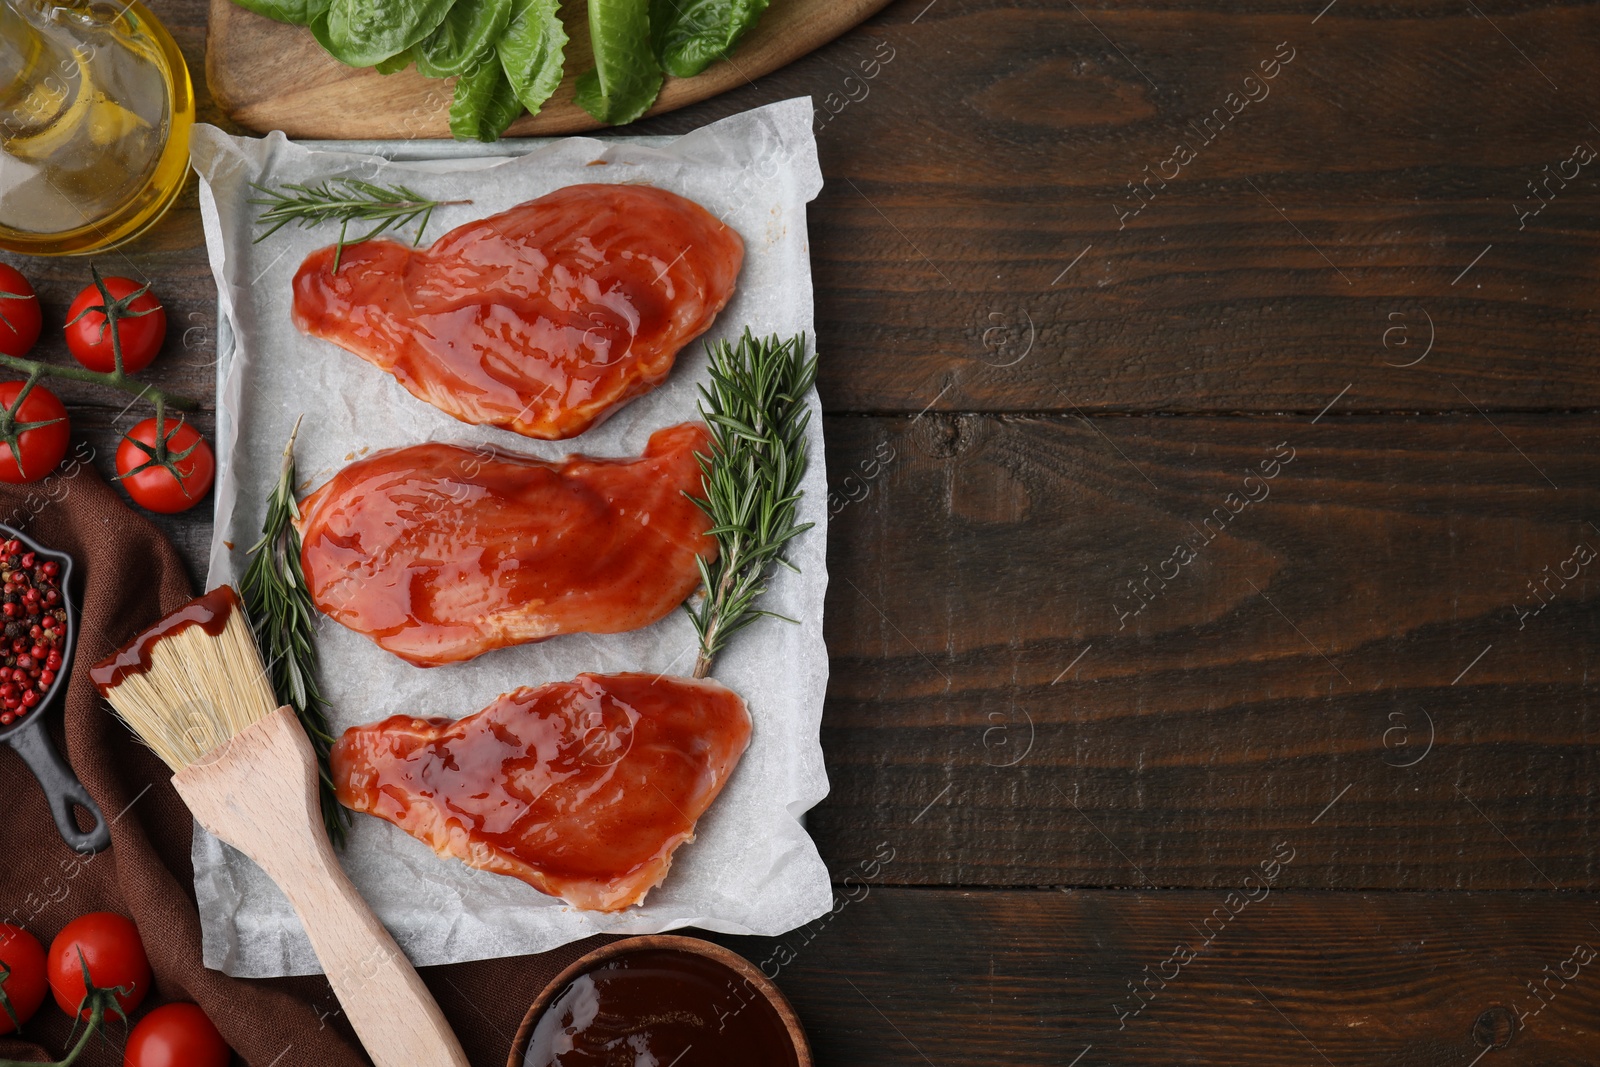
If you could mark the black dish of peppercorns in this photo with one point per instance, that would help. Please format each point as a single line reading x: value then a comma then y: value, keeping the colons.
x: 37, y: 621
x: 34, y: 611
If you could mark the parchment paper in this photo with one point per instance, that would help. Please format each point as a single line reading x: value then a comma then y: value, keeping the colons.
x: 752, y: 868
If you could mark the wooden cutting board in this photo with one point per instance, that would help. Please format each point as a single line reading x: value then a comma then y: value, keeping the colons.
x: 270, y: 76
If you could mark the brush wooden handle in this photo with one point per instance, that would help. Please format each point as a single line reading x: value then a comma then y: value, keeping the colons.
x: 258, y: 792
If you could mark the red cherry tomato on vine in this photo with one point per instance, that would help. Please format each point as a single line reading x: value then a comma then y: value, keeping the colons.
x: 176, y: 1035
x: 142, y: 326
x: 43, y: 447
x: 19, y: 316
x: 24, y: 987
x: 155, y: 487
x: 111, y: 947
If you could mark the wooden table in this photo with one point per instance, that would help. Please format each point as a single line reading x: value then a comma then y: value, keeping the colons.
x: 1213, y: 582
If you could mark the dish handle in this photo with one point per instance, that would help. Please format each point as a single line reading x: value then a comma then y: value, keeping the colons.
x: 62, y: 789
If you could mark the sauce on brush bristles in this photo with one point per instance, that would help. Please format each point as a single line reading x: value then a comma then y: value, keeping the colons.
x: 190, y: 682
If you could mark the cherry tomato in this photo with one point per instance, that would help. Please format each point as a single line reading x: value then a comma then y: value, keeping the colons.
x: 42, y: 448
x: 24, y: 987
x: 90, y: 341
x: 111, y: 947
x: 19, y: 315
x: 155, y: 487
x: 176, y: 1035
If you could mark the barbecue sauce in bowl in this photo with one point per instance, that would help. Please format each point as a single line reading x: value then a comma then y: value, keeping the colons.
x: 660, y: 1006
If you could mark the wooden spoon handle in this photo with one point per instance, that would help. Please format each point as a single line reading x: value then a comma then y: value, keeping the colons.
x: 258, y: 792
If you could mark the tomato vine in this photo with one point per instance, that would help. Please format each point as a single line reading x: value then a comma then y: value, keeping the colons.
x: 5, y: 1001
x: 96, y: 1001
x: 4, y: 296
x: 114, y: 312
x: 13, y: 426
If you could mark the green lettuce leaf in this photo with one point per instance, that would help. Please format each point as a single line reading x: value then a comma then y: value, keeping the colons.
x: 690, y: 34
x: 464, y: 39
x: 395, y: 63
x: 484, y: 103
x: 296, y: 12
x: 531, y: 51
x: 363, y: 33
x: 626, y: 76
x: 319, y: 29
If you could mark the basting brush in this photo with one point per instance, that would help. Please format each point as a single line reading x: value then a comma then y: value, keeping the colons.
x: 193, y: 688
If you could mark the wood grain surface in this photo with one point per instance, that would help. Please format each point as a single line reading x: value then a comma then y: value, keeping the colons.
x: 949, y: 977
x: 955, y: 977
x: 270, y: 76
x: 1029, y: 403
x: 1385, y: 158
x: 1357, y: 627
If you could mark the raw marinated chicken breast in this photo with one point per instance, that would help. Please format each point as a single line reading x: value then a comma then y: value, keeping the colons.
x: 543, y: 319
x: 440, y: 553
x: 582, y: 789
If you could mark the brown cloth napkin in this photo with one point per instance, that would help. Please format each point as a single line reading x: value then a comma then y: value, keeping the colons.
x: 127, y: 575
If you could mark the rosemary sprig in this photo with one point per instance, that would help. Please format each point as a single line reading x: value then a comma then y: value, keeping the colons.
x: 755, y: 407
x: 279, y: 604
x: 347, y: 200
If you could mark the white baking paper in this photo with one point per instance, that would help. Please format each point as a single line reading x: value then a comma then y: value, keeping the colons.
x: 752, y: 868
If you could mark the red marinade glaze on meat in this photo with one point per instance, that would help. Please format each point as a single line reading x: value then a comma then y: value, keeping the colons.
x: 582, y: 789
x: 440, y: 553
x: 543, y: 319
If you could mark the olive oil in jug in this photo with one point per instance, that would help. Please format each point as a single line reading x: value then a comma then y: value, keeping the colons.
x: 95, y: 112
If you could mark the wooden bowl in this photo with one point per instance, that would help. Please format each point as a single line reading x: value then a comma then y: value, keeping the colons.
x: 731, y: 960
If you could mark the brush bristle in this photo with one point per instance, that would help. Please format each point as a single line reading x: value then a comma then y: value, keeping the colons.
x: 199, y: 691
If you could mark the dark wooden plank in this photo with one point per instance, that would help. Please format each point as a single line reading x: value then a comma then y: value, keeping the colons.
x: 951, y: 977
x: 988, y: 977
x: 1004, y: 711
x: 1000, y: 144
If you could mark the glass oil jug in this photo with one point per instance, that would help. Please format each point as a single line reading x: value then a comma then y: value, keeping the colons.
x: 95, y: 112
